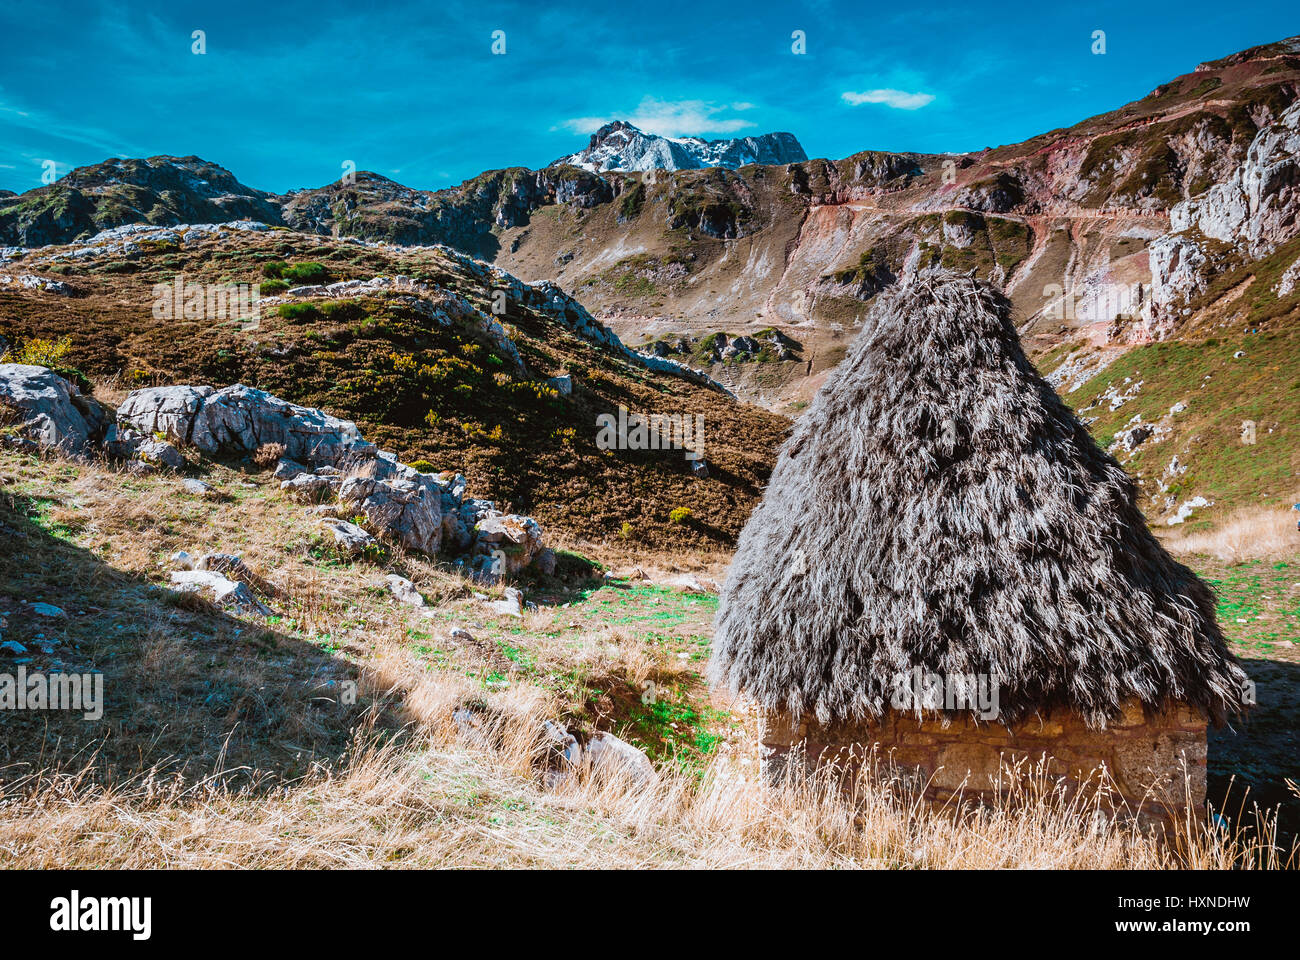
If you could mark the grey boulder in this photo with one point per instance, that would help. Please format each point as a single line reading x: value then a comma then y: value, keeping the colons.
x: 403, y: 590
x: 308, y: 488
x: 513, y: 540
x: 223, y: 591
x: 240, y: 419
x: 51, y: 410
x: 348, y: 537
x: 399, y: 510
x: 615, y: 759
x: 160, y: 453
x: 288, y: 469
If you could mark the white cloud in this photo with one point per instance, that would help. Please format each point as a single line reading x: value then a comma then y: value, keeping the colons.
x: 898, y: 99
x: 681, y: 118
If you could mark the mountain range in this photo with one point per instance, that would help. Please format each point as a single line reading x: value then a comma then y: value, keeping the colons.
x: 1171, y: 218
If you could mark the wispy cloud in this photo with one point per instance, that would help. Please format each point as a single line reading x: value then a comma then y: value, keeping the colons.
x: 898, y: 99
x: 680, y: 118
x: 43, y: 123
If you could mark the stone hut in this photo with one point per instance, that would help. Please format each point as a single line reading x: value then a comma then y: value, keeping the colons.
x: 946, y: 566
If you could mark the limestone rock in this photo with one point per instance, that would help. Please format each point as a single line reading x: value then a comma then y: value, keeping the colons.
x: 1260, y: 202
x: 1178, y: 270
x: 348, y: 537
x: 308, y: 488
x: 52, y: 411
x: 288, y: 469
x: 1257, y: 208
x: 511, y: 604
x: 231, y: 565
x: 1289, y: 280
x: 613, y: 758
x: 560, y: 755
x: 398, y: 510
x: 221, y: 590
x: 160, y: 453
x: 240, y: 419
x: 29, y: 281
x: 512, y: 539
x: 403, y: 590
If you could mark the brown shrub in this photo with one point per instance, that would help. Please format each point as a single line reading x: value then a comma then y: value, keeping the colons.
x: 268, y: 454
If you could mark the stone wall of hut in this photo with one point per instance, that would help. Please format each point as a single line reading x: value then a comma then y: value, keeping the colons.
x: 1155, y: 762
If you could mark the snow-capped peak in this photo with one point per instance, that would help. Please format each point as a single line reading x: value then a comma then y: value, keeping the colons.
x: 621, y: 146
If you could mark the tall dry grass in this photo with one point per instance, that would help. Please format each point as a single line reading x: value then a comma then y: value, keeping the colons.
x: 440, y: 802
x: 1254, y: 533
x: 435, y: 796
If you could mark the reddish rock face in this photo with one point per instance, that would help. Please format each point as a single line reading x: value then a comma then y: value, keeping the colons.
x: 1153, y: 763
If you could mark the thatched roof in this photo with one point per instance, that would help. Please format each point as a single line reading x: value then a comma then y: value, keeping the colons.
x: 954, y: 515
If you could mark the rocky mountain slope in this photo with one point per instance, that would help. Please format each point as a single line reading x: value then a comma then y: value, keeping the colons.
x: 1158, y: 221
x: 160, y: 190
x: 437, y: 357
x: 621, y: 146
x: 715, y: 250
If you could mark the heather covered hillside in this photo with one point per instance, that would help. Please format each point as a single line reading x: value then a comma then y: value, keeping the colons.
x: 425, y: 366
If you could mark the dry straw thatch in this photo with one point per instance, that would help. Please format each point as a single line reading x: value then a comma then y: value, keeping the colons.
x: 939, y: 507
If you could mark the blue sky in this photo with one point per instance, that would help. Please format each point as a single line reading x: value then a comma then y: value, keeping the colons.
x: 287, y: 93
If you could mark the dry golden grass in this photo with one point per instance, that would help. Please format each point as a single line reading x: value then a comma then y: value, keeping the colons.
x: 446, y: 804
x: 1255, y: 533
x: 280, y: 781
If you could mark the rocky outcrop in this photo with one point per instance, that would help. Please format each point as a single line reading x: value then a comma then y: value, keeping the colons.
x: 51, y: 410
x: 1289, y: 280
x: 240, y: 419
x: 375, y: 208
x: 165, y: 190
x: 1259, y: 204
x: 512, y: 541
x: 424, y: 512
x: 400, y: 510
x: 728, y: 348
x: 1256, y: 209
x: 439, y: 305
x: 999, y: 194
x: 1179, y: 270
x: 29, y: 281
